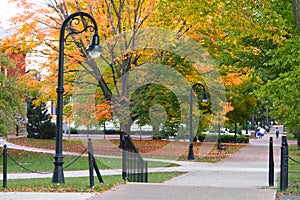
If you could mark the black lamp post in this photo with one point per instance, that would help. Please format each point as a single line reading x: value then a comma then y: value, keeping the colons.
x: 94, y: 50
x: 204, y: 99
x: 252, y: 121
x: 235, y: 132
x: 219, y: 135
x: 247, y: 127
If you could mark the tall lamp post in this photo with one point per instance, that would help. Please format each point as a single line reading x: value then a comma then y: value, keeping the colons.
x: 204, y: 99
x: 94, y: 50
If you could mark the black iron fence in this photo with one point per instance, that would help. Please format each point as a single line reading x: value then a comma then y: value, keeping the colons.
x: 134, y: 167
x: 92, y: 165
x: 284, y: 164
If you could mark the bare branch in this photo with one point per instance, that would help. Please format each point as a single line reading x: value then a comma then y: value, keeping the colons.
x: 111, y: 20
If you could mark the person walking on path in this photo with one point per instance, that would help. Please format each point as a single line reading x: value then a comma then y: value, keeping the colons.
x: 277, y: 132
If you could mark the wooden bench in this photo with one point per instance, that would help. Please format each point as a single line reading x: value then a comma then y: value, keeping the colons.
x: 222, y: 147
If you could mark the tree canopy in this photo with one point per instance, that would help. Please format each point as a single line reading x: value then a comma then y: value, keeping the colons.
x: 12, y: 99
x: 254, y: 44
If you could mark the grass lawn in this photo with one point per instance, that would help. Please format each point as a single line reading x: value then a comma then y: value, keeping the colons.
x: 80, y: 184
x: 43, y: 162
x: 291, y: 136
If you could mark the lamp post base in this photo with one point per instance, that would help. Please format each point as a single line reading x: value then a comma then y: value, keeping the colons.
x: 191, y: 153
x: 58, y: 174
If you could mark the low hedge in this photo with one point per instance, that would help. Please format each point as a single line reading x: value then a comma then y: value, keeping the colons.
x: 224, y: 138
x: 107, y: 131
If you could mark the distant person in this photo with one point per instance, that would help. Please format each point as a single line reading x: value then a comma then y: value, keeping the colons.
x: 277, y: 132
x: 262, y: 131
x: 267, y: 128
x: 258, y: 133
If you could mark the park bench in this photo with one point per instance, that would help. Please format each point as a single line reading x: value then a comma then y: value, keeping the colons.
x: 222, y: 147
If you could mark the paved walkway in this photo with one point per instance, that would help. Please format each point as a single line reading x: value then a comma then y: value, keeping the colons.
x: 241, y: 176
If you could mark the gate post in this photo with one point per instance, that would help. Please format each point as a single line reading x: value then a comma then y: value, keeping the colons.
x: 284, y: 165
x: 271, y: 163
x: 91, y: 163
x: 5, y: 166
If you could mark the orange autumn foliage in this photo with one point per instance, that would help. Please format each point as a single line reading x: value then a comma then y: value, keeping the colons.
x: 103, y: 112
x: 233, y: 79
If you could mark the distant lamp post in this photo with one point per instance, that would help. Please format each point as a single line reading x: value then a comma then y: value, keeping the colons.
x: 219, y: 135
x: 94, y: 49
x: 235, y: 132
x: 247, y: 127
x: 252, y: 120
x: 204, y: 99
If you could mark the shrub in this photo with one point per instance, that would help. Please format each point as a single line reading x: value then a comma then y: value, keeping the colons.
x: 111, y: 131
x: 73, y: 131
x: 39, y: 124
x: 224, y: 138
x: 48, y: 131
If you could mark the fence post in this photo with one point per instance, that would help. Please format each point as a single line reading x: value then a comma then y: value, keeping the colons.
x: 124, y: 165
x: 122, y: 140
x: 91, y: 163
x: 97, y: 170
x: 284, y: 165
x: 271, y: 163
x: 5, y: 166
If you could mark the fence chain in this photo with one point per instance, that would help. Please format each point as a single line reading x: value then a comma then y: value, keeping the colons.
x: 294, y: 160
x: 36, y: 172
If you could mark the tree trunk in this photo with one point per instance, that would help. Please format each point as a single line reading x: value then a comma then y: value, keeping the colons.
x: 125, y: 127
x: 296, y: 8
x: 155, y: 130
x: 298, y: 140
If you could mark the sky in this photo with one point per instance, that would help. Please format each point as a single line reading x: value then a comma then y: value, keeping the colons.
x: 7, y: 10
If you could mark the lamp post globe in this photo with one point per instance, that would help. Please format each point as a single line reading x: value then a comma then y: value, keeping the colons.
x: 95, y: 49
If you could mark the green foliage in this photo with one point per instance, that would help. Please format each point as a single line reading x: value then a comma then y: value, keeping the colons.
x: 111, y: 131
x: 169, y: 129
x: 39, y: 122
x: 73, y: 131
x: 282, y: 90
x: 160, y: 135
x: 224, y: 138
x: 6, y: 62
x: 145, y: 109
x: 11, y: 104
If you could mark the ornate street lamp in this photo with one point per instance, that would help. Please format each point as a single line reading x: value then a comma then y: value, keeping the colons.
x: 94, y: 49
x: 204, y: 99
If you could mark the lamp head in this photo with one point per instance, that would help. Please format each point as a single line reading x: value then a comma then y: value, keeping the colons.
x: 95, y: 49
x: 204, y: 99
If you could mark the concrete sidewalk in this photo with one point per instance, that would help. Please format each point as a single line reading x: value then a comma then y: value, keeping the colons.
x: 241, y: 176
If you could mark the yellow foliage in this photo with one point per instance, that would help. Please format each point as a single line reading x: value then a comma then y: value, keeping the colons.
x: 233, y: 79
